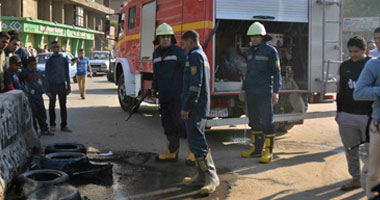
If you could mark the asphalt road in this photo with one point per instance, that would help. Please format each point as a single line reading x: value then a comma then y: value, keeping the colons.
x: 309, y: 160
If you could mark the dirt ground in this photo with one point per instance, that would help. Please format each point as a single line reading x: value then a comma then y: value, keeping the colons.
x: 309, y: 160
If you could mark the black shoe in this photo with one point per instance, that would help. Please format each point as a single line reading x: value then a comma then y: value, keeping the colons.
x: 83, y: 97
x: 47, y: 132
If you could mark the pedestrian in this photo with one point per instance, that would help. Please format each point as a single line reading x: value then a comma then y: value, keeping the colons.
x: 368, y: 89
x: 32, y: 51
x: 38, y: 48
x: 370, y: 46
x: 4, y: 41
x: 63, y: 48
x: 58, y: 83
x: 260, y: 91
x: 14, y: 48
x: 83, y: 65
x: 376, y: 37
x: 352, y: 116
x: 195, y: 108
x: 168, y: 65
x: 12, y: 81
x: 35, y: 88
x: 45, y: 50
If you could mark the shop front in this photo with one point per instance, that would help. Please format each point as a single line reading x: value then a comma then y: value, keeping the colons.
x: 33, y: 32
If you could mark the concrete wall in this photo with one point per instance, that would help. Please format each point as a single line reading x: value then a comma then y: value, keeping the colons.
x: 30, y: 8
x: 58, y: 11
x: 11, y: 8
x: 45, y: 10
x: 91, y: 20
x: 18, y: 139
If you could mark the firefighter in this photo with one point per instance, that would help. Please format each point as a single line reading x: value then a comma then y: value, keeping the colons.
x: 168, y: 65
x: 195, y: 107
x: 260, y: 91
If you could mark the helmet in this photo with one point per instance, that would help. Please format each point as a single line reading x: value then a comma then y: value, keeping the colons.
x: 164, y: 29
x: 256, y: 29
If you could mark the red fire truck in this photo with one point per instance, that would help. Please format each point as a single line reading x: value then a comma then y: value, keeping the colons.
x: 306, y: 33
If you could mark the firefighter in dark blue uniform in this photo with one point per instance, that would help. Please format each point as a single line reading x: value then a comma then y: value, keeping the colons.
x: 195, y: 107
x: 34, y: 86
x: 260, y: 90
x: 168, y: 65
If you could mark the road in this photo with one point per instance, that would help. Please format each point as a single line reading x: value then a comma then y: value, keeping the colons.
x: 309, y: 160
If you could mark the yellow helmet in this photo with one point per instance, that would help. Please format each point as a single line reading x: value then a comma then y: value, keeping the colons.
x: 164, y: 29
x: 256, y: 29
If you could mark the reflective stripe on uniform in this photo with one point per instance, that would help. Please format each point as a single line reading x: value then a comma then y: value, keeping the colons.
x: 159, y: 59
x: 173, y: 57
x: 194, y: 89
x: 187, y: 64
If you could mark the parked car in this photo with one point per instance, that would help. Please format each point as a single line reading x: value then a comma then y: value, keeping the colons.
x: 43, y: 57
x: 102, y: 61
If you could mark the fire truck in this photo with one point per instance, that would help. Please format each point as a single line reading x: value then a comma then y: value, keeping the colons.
x: 306, y: 33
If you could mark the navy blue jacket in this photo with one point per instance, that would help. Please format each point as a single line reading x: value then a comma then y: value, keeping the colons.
x: 263, y: 70
x: 168, y: 66
x: 57, y: 72
x: 196, y: 83
x: 34, y: 84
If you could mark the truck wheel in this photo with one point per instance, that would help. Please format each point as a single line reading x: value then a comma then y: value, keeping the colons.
x: 126, y: 102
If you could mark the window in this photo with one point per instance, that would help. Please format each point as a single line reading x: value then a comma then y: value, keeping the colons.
x: 78, y: 16
x: 132, y: 18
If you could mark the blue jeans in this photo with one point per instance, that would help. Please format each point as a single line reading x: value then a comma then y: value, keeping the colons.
x: 195, y: 129
x: 260, y: 112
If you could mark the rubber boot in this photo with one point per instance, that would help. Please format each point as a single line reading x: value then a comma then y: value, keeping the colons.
x: 190, y: 160
x: 197, y: 180
x: 268, y: 156
x: 257, y: 145
x: 168, y: 156
x: 207, y: 166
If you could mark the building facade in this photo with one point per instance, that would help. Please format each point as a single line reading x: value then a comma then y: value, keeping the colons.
x: 75, y: 24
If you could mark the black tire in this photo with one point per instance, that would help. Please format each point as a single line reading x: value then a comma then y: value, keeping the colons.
x: 62, y: 192
x: 75, y: 79
x: 31, y: 181
x: 60, y: 160
x: 65, y: 147
x: 110, y: 77
x: 125, y: 101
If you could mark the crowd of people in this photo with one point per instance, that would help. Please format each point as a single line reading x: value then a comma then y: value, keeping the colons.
x: 181, y: 83
x: 18, y: 71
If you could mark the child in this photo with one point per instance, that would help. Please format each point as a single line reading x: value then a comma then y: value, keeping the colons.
x: 35, y: 89
x: 12, y: 81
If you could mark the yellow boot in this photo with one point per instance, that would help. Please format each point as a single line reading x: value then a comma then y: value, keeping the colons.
x: 268, y: 156
x: 197, y: 179
x: 168, y: 156
x: 207, y: 166
x: 257, y: 145
x: 190, y: 160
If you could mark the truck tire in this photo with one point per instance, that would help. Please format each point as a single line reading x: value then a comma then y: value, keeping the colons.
x: 60, y: 160
x: 66, y: 192
x: 65, y: 147
x: 126, y: 102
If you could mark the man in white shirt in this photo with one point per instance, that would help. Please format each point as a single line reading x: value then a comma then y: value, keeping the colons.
x: 376, y: 38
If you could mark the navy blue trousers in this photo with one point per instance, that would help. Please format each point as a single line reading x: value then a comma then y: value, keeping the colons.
x: 260, y: 112
x: 195, y: 129
x: 174, y: 127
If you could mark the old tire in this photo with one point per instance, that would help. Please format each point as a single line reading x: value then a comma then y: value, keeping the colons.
x: 65, y: 147
x: 62, y: 192
x: 60, y: 160
x: 30, y: 181
x: 126, y: 102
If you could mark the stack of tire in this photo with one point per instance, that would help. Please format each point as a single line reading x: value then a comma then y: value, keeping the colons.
x: 50, y: 182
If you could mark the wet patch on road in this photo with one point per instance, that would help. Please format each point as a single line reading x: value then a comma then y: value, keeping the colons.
x: 137, y: 176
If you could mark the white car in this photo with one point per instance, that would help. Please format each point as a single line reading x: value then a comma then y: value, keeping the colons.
x: 43, y: 57
x: 101, y: 61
